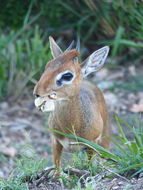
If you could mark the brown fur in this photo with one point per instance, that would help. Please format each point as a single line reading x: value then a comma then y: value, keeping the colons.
x: 83, y: 110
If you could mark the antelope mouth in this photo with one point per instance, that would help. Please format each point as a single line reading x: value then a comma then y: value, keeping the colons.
x: 44, y: 104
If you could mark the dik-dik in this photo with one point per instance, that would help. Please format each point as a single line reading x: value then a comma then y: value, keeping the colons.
x: 77, y: 106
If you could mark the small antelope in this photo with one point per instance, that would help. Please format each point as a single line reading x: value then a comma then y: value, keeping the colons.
x: 77, y: 106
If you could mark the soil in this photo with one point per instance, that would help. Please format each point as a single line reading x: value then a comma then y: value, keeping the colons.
x: 21, y: 125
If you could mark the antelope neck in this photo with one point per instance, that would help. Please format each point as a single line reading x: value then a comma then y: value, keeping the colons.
x: 72, y: 100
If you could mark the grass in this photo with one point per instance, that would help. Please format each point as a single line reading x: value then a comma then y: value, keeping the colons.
x: 27, y: 166
x: 126, y: 159
x: 22, y: 60
x: 80, y: 161
x: 89, y: 184
x: 23, y: 56
x: 109, y: 20
x: 25, y: 51
x: 130, y: 152
x: 132, y: 84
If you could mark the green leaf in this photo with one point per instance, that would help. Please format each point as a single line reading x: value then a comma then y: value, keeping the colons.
x: 103, y: 152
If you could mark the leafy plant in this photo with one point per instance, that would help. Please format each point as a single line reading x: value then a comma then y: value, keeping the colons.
x: 22, y: 59
x: 24, y: 51
x: 117, y: 23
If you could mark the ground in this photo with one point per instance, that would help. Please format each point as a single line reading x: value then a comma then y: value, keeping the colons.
x: 22, y: 125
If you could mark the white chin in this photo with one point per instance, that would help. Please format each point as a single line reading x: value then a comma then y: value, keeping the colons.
x: 48, y: 106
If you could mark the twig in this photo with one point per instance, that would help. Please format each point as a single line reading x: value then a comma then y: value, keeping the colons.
x: 77, y: 172
x: 44, y: 175
x: 114, y: 173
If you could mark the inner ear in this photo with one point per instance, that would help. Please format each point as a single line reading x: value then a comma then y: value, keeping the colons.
x: 55, y: 49
x: 95, y: 61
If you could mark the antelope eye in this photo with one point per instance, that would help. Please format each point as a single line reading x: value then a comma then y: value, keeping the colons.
x: 64, y: 78
x: 67, y: 76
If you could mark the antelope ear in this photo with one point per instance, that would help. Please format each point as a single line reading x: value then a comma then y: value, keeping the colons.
x: 95, y: 61
x: 55, y: 49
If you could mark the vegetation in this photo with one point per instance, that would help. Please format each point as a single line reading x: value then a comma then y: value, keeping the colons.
x: 127, y: 156
x: 24, y: 38
x: 21, y: 59
x: 27, y: 167
x: 24, y: 52
x: 126, y: 159
x: 132, y: 84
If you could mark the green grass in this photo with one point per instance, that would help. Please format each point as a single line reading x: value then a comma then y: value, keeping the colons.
x: 116, y: 24
x: 22, y: 59
x: 80, y: 161
x: 26, y: 167
x: 130, y: 151
x: 127, y: 157
x: 24, y: 51
x: 23, y: 56
x: 132, y: 84
x: 24, y: 47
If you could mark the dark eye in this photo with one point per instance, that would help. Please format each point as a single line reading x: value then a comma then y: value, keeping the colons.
x: 67, y: 76
x: 64, y: 78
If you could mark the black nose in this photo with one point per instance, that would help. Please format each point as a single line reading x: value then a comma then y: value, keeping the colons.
x: 36, y: 95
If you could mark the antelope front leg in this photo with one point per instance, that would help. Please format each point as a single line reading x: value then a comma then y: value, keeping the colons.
x: 57, y: 151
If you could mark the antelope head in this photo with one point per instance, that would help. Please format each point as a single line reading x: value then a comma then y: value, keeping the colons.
x: 63, y: 75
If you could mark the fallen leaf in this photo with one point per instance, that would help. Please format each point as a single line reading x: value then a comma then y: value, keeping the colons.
x: 137, y: 108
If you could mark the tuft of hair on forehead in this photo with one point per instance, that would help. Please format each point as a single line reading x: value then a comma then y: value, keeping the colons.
x: 68, y: 55
x: 63, y: 58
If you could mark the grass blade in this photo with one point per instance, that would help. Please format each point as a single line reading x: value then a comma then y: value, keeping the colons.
x: 103, y: 152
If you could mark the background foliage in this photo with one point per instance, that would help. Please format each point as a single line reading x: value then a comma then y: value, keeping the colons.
x: 24, y: 51
x: 26, y: 25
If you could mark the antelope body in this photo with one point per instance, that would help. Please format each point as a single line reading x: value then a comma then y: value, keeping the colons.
x: 78, y: 107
